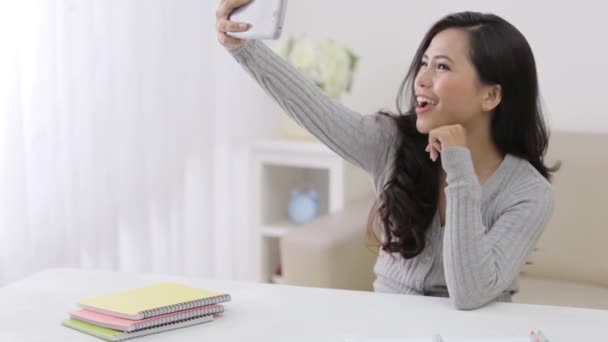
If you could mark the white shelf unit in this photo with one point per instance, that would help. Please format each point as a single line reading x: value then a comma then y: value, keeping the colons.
x: 277, y: 167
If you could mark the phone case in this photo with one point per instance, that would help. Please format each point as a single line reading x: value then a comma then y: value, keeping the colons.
x: 265, y: 16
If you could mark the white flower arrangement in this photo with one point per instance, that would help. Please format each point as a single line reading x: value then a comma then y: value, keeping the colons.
x: 330, y: 65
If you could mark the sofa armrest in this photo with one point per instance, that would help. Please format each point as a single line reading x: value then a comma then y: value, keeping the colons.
x: 331, y: 251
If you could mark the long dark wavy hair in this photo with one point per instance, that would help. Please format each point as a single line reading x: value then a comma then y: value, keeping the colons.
x: 501, y: 55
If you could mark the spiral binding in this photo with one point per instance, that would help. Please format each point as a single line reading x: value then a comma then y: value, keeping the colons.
x: 186, y: 306
x: 155, y: 329
x: 203, y: 311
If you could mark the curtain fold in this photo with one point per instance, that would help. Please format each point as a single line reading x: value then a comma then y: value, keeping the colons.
x: 107, y: 136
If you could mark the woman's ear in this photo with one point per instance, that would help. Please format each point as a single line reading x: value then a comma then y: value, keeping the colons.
x: 492, y: 98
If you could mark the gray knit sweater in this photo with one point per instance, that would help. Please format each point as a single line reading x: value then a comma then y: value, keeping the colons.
x: 490, y: 230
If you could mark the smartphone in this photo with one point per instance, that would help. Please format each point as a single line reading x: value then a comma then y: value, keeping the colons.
x: 265, y: 16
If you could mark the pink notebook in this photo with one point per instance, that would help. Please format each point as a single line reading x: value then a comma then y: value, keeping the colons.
x: 124, y: 324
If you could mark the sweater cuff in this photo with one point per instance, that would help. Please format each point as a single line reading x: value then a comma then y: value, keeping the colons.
x: 458, y: 165
x: 238, y: 50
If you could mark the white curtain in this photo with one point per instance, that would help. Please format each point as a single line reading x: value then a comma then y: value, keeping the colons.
x: 107, y: 137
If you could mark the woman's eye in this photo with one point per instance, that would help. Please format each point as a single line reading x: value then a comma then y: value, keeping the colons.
x: 443, y: 67
x: 423, y: 64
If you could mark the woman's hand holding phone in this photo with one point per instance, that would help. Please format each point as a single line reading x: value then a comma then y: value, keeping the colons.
x: 224, y: 24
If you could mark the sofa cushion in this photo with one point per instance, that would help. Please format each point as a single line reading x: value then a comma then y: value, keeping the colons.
x: 573, y: 247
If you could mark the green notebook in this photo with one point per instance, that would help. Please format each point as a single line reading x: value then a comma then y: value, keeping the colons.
x: 116, y: 335
x: 153, y: 300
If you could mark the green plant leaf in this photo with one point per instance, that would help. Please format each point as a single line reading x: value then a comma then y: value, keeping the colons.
x: 354, y: 60
x: 290, y: 43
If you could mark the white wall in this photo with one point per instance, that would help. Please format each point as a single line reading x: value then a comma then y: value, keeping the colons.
x: 565, y: 37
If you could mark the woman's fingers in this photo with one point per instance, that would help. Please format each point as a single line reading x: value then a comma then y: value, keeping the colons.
x: 224, y: 25
x: 437, y: 146
x: 433, y: 148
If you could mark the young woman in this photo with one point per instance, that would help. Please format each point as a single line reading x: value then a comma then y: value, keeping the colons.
x: 463, y: 191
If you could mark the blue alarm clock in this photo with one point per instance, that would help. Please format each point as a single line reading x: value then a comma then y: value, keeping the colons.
x: 303, y: 205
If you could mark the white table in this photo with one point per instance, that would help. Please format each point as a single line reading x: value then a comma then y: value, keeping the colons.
x: 32, y: 309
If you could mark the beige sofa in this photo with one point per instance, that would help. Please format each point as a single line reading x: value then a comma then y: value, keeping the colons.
x: 569, y: 268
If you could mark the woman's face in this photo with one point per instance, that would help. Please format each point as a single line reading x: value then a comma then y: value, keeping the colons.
x: 447, y: 87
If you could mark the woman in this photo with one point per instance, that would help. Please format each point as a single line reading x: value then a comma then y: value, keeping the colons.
x: 463, y: 191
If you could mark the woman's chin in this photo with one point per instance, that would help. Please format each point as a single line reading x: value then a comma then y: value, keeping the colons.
x: 423, y: 126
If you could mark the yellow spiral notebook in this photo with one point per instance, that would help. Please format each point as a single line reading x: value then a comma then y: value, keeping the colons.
x: 153, y: 300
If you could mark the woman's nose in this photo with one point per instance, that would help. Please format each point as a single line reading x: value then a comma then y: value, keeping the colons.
x: 423, y: 79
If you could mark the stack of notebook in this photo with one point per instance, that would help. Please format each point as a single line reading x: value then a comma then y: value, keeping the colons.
x: 147, y: 310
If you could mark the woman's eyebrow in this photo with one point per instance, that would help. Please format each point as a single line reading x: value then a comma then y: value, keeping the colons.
x: 439, y: 57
